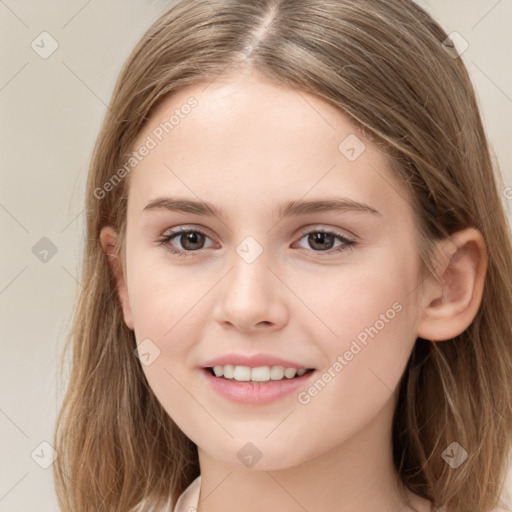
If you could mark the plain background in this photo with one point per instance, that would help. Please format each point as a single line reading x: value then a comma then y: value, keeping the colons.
x: 51, y: 110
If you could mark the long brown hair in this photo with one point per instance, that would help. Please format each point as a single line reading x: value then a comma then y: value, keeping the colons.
x: 382, y: 63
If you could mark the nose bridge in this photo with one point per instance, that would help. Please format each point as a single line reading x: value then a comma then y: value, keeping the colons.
x: 249, y: 280
x: 250, y: 294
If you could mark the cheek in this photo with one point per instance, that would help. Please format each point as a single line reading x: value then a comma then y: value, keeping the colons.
x: 160, y: 293
x: 166, y: 304
x: 363, y: 376
x: 371, y: 310
x: 363, y: 368
x: 366, y: 293
x: 168, y: 317
x: 164, y: 324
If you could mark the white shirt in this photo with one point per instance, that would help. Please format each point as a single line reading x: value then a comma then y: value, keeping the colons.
x: 189, y: 498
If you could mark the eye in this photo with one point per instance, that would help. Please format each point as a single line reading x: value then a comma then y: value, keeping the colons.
x: 191, y: 240
x: 323, y: 241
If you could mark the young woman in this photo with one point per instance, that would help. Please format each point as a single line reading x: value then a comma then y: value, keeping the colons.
x: 298, y: 272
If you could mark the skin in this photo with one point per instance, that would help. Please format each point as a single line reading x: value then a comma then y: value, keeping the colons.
x: 248, y: 147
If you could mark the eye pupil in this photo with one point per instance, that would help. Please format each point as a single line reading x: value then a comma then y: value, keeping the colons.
x: 191, y: 237
x: 325, y: 240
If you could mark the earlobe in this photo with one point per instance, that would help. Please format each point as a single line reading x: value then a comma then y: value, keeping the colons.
x: 108, y: 239
x: 450, y: 308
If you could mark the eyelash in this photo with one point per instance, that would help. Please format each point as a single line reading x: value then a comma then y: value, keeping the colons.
x: 347, y: 244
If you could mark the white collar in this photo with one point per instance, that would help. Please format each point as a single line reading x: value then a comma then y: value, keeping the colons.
x: 189, y: 499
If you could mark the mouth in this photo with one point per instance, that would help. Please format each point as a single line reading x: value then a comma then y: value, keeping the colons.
x: 256, y: 386
x: 259, y: 374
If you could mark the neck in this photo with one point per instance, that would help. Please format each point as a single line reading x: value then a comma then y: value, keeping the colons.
x: 357, y: 475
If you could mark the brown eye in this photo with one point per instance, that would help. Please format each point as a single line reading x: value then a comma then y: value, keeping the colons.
x: 321, y: 241
x: 191, y: 240
x: 184, y: 242
x: 324, y: 241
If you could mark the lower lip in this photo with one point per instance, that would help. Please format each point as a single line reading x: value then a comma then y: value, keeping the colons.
x: 255, y: 393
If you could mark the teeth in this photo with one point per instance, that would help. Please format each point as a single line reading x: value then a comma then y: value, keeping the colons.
x: 258, y: 374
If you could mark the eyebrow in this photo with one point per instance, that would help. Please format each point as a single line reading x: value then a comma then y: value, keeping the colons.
x: 292, y: 208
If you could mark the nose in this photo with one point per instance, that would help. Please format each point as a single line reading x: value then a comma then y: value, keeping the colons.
x: 251, y: 297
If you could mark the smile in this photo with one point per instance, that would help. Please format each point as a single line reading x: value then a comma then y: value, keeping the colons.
x: 240, y: 386
x: 259, y: 374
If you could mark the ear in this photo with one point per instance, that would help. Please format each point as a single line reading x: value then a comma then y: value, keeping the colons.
x: 450, y: 308
x: 108, y: 239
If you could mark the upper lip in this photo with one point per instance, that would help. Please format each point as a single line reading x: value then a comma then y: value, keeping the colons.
x: 253, y: 361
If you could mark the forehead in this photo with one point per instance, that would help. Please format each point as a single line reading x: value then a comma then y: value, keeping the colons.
x: 250, y: 142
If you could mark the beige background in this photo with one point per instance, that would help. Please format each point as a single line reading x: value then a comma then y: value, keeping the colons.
x: 51, y: 110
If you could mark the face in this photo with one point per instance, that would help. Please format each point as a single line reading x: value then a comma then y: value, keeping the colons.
x: 270, y: 270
